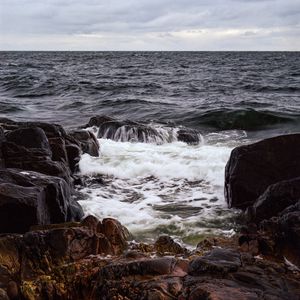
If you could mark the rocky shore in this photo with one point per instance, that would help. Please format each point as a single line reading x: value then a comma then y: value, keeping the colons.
x: 50, y: 250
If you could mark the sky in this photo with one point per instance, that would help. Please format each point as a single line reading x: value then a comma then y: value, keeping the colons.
x: 154, y: 25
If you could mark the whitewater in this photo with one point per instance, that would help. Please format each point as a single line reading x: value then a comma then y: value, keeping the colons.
x: 171, y: 188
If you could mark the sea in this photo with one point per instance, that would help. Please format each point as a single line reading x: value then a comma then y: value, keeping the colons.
x: 166, y: 186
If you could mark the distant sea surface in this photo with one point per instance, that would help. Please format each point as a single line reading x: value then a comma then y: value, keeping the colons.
x: 231, y: 98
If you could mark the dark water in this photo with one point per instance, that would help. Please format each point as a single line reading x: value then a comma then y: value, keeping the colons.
x: 203, y: 90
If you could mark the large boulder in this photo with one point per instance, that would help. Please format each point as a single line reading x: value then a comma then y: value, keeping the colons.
x: 29, y: 198
x: 252, y: 168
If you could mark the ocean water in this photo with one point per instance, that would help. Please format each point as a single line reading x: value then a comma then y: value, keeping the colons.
x: 165, y: 187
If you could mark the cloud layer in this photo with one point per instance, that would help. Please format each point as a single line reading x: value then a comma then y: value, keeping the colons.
x: 149, y: 25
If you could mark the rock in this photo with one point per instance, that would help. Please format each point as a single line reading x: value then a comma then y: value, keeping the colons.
x: 217, y: 260
x: 130, y: 131
x: 29, y: 138
x: 252, y: 168
x: 156, y: 266
x: 34, y: 159
x: 116, y: 234
x: 73, y: 153
x: 13, y: 290
x: 32, y: 199
x: 58, y: 149
x: 9, y: 258
x: 3, y: 295
x: 284, y: 232
x: 2, y: 139
x: 88, y: 142
x: 275, y: 199
x: 189, y: 136
x: 98, y: 121
x: 166, y: 244
x: 221, y: 291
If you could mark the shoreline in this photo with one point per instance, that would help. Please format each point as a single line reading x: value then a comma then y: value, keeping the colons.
x: 92, y: 259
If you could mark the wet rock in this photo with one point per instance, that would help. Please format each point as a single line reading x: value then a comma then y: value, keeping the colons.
x: 284, y: 232
x: 144, y: 267
x: 126, y: 130
x: 33, y: 198
x: 116, y: 233
x: 275, y: 199
x: 98, y: 121
x: 88, y: 142
x: 29, y: 138
x: 252, y: 168
x: 58, y: 149
x: 73, y: 154
x: 218, y: 260
x: 166, y: 244
x: 34, y: 159
x: 189, y: 136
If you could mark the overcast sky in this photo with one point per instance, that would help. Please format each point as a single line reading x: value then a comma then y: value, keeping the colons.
x: 150, y: 25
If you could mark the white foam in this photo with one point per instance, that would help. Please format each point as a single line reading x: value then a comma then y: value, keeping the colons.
x: 145, y: 183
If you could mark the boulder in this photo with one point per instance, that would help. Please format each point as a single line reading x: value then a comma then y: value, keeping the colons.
x: 30, y: 198
x: 216, y: 261
x: 2, y: 139
x: 29, y: 138
x: 252, y: 168
x: 33, y: 153
x: 275, y: 199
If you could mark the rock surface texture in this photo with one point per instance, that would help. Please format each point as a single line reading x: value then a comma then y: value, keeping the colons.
x: 48, y: 251
x: 264, y: 180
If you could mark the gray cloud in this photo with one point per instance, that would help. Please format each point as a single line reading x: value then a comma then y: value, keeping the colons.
x: 145, y: 24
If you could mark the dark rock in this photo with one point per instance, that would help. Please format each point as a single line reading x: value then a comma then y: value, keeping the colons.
x: 156, y: 266
x: 88, y: 142
x: 189, y: 136
x: 252, y: 168
x: 33, y: 198
x: 275, y: 199
x: 126, y: 130
x: 2, y: 139
x: 98, y: 121
x: 29, y: 138
x: 21, y: 207
x: 73, y: 153
x: 166, y: 244
x: 34, y: 159
x: 58, y: 149
x: 218, y: 260
x: 221, y: 291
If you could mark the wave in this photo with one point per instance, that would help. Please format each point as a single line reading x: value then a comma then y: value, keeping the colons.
x: 243, y: 119
x: 130, y: 131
